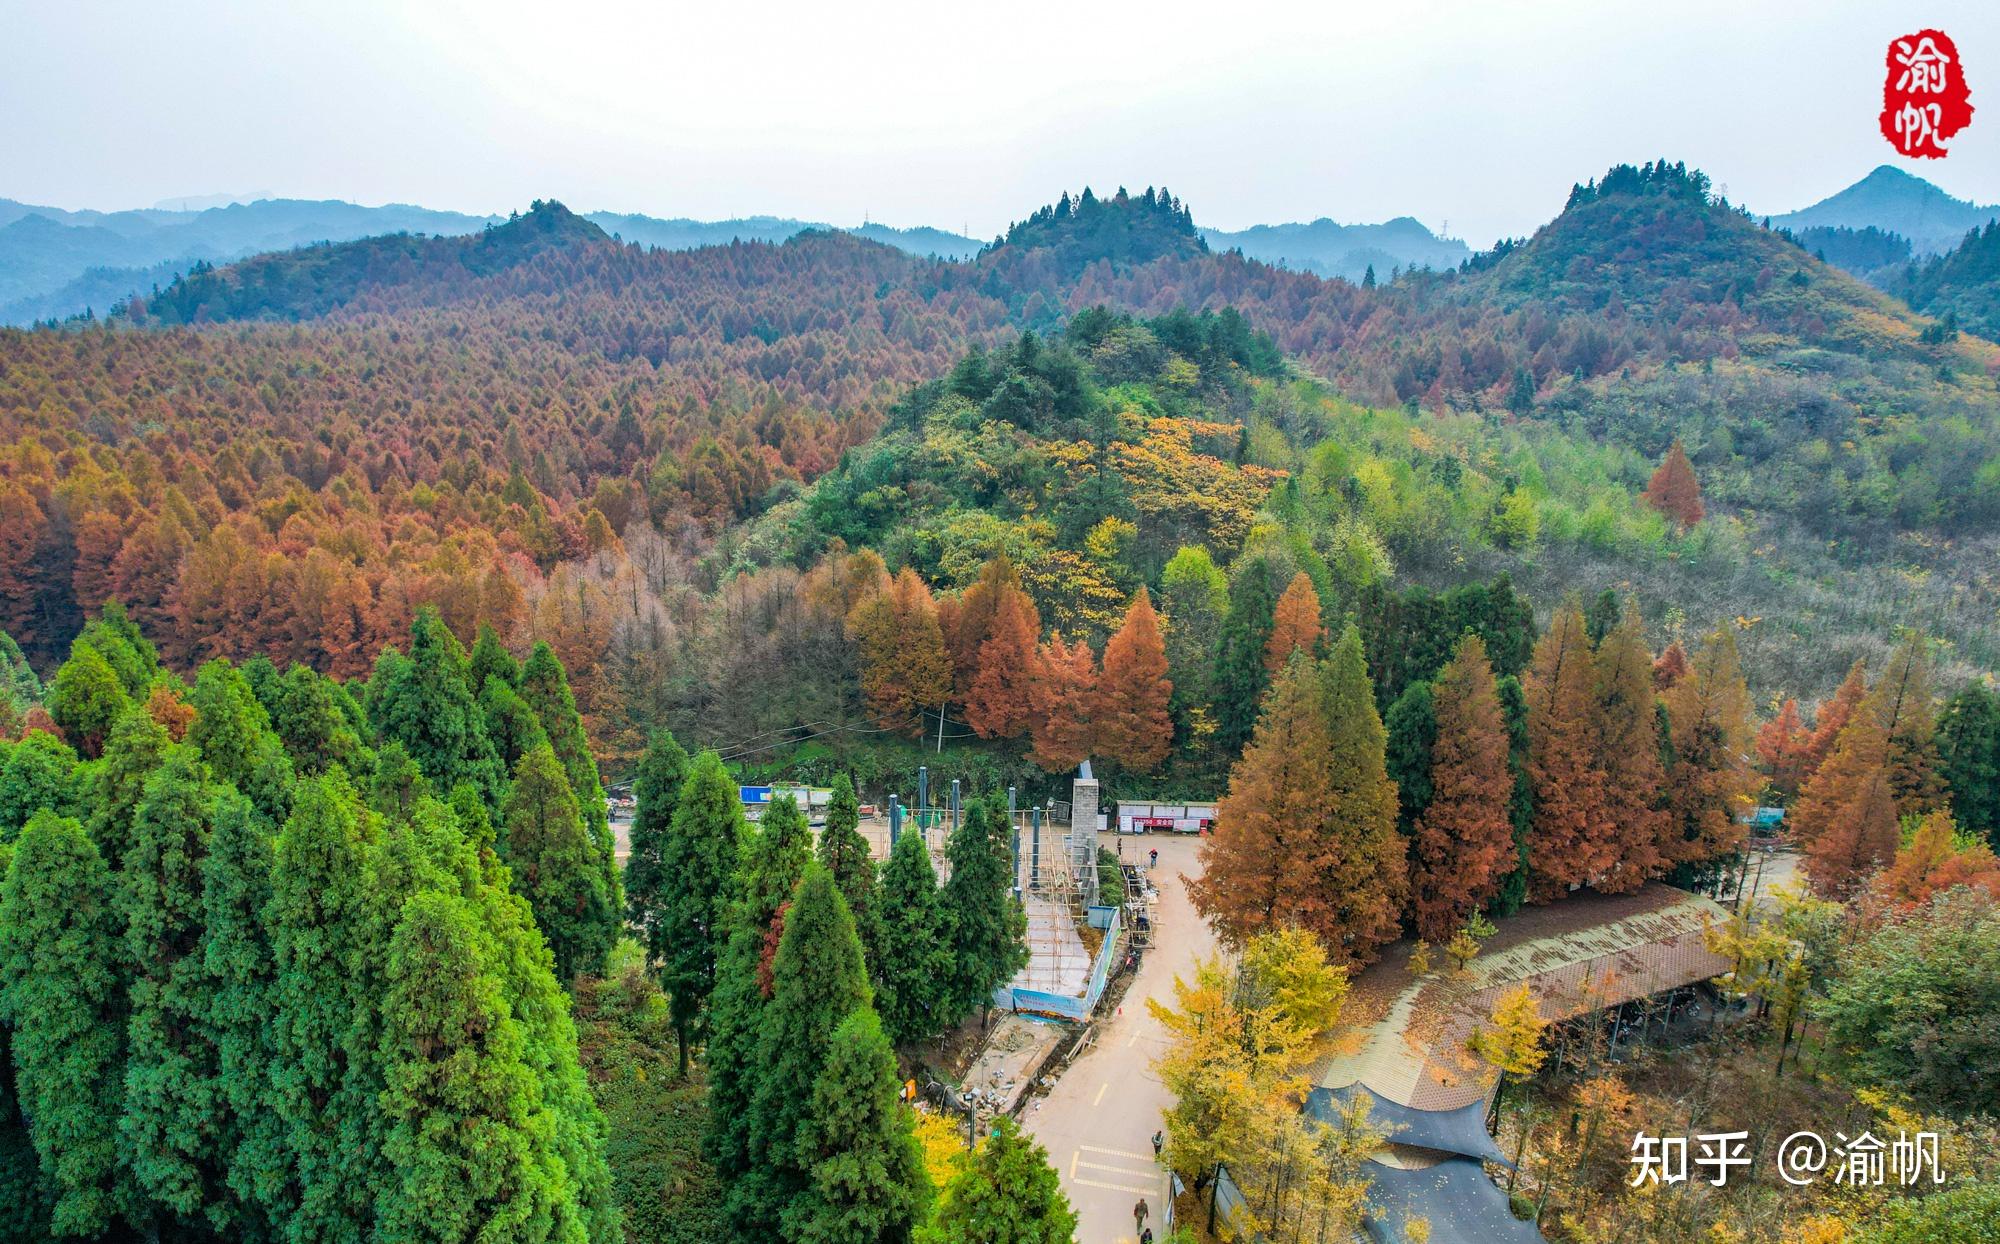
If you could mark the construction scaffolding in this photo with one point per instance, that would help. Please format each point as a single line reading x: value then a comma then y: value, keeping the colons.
x: 1071, y: 897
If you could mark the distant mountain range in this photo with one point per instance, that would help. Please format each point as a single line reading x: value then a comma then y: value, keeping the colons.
x: 1349, y: 251
x: 1894, y: 201
x: 56, y: 263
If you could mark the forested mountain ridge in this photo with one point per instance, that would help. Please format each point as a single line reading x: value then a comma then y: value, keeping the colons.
x: 451, y: 420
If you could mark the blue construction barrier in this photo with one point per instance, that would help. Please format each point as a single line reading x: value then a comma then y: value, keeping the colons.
x: 1067, y: 1006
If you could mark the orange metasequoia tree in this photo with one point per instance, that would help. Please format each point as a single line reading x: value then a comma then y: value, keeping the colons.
x: 1065, y: 699
x: 1567, y: 841
x: 1846, y: 816
x: 1674, y: 491
x: 1832, y: 717
x: 1000, y: 703
x: 1628, y: 753
x: 1782, y: 743
x: 1464, y: 839
x: 1295, y: 624
x: 904, y: 668
x: 1711, y: 781
x: 1263, y: 865
x: 1133, y: 725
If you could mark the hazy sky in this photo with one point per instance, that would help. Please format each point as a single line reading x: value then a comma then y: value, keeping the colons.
x: 963, y: 115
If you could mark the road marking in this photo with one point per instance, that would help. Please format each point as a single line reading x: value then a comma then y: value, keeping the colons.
x: 1092, y: 1183
x: 1124, y: 1172
x: 1101, y: 1090
x: 1117, y: 1153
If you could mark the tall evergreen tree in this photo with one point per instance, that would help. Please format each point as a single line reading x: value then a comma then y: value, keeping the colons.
x: 38, y: 774
x: 1628, y: 754
x: 424, y: 702
x: 865, y: 1171
x: 1568, y: 846
x: 1367, y: 872
x: 1521, y: 803
x: 776, y: 860
x: 1412, y: 727
x: 171, y: 1075
x: 1463, y: 841
x: 700, y: 862
x: 911, y: 955
x: 468, y: 1134
x: 86, y: 699
x: 234, y: 733
x: 656, y: 791
x: 545, y: 686
x: 1194, y: 594
x: 239, y: 1012
x: 325, y: 1070
x: 1240, y: 675
x: 817, y: 981
x: 1968, y: 745
x: 61, y: 997
x: 556, y: 866
x: 510, y: 721
x: 986, y: 923
x: 118, y: 780
x: 490, y: 659
x: 1007, y: 1194
x: 845, y: 853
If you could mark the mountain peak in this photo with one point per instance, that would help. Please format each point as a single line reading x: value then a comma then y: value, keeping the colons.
x: 1895, y: 201
x: 1125, y: 228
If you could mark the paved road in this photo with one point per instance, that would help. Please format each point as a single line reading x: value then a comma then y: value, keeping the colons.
x: 1097, y: 1122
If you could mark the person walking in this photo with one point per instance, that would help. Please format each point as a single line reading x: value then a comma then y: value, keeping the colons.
x: 1139, y: 1213
x: 1153, y: 858
x: 1159, y: 1143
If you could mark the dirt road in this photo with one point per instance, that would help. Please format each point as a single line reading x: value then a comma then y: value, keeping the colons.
x: 1098, y: 1121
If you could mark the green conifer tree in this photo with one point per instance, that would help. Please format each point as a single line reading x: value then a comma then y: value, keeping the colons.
x: 1968, y: 746
x: 817, y: 980
x: 423, y: 702
x: 325, y: 1070
x: 86, y: 699
x: 239, y: 1009
x: 1412, y: 728
x: 1007, y: 1194
x: 545, y: 687
x: 845, y: 853
x: 987, y: 926
x: 468, y: 1134
x: 556, y: 866
x: 490, y: 659
x: 1365, y: 866
x: 656, y: 789
x: 171, y: 1076
x: 700, y: 864
x: 61, y: 996
x: 1241, y: 675
x: 37, y: 774
x: 234, y: 733
x: 117, y: 781
x: 912, y: 956
x: 776, y: 860
x: 865, y: 1172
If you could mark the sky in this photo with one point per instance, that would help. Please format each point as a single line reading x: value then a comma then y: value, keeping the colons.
x: 1473, y: 117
